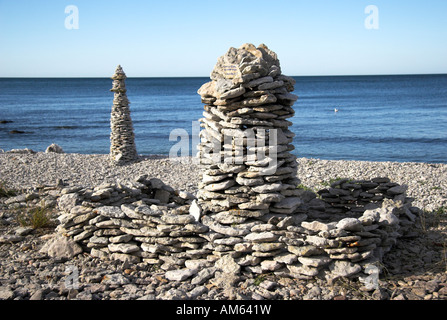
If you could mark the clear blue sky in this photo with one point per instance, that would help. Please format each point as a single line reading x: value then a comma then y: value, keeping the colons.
x: 185, y: 38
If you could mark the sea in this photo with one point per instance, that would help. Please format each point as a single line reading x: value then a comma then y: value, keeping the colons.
x: 398, y: 118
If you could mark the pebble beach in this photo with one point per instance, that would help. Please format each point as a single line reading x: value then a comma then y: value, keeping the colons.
x: 427, y: 182
x: 416, y: 268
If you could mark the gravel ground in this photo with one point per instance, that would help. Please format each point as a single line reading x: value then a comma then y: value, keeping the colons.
x: 19, y: 171
x: 416, y: 269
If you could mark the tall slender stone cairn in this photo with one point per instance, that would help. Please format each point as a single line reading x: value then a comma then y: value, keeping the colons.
x: 122, y: 138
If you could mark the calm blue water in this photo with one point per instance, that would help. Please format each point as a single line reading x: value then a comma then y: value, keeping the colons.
x: 380, y: 118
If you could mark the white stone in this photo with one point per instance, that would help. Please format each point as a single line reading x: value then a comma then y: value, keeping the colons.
x: 286, y: 258
x: 228, y: 241
x: 305, y: 270
x: 314, y: 261
x: 344, y: 268
x: 177, y: 219
x: 243, y: 247
x: 186, y: 195
x: 180, y: 275
x: 121, y: 238
x: 228, y: 265
x: 266, y: 188
x: 197, y: 264
x: 6, y: 293
x: 111, y: 212
x: 387, y: 217
x: 61, y: 247
x: 8, y: 238
x: 316, y: 226
x: 261, y: 237
x: 125, y: 257
x: 54, y: 148
x: 350, y: 224
x: 123, y: 247
x: 226, y: 230
x: 67, y: 201
x: 270, y: 265
x: 195, y: 210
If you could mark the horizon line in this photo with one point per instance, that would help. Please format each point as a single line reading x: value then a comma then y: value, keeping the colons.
x: 308, y: 75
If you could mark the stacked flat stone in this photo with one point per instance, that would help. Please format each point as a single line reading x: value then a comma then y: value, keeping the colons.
x: 338, y: 246
x: 247, y: 99
x: 148, y: 221
x: 350, y: 197
x: 122, y: 138
x: 144, y: 221
x: 247, y: 94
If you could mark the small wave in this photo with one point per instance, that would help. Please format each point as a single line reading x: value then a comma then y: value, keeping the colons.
x: 66, y: 127
x: 158, y: 121
x: 19, y: 132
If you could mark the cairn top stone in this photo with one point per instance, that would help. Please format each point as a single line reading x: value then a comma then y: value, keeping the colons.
x: 118, y: 81
x: 119, y: 74
x: 246, y: 63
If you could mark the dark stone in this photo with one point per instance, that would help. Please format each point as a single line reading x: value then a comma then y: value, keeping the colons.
x: 369, y: 185
x: 381, y: 180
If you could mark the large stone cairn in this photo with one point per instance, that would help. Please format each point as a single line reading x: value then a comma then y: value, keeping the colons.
x: 122, y: 139
x: 245, y: 173
x: 249, y: 179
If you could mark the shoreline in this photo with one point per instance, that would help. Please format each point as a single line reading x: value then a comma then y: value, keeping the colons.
x: 166, y: 156
x: 427, y: 182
